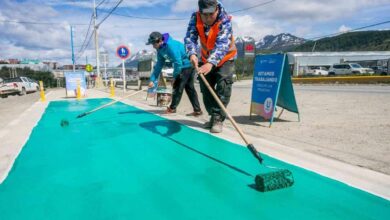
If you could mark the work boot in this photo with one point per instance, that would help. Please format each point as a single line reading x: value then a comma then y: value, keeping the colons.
x: 209, y: 124
x: 195, y: 113
x: 170, y: 111
x: 217, y: 127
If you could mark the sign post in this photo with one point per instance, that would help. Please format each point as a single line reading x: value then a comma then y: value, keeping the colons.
x: 123, y: 52
x: 272, y: 86
x: 249, y: 49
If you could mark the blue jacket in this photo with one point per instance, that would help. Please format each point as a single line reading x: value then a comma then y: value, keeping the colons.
x: 173, y: 51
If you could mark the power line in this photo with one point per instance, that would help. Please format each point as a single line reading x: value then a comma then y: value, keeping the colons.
x: 181, y: 19
x: 100, y: 3
x: 86, y: 36
x: 355, y: 29
x: 112, y: 10
x: 82, y: 50
x: 254, y: 6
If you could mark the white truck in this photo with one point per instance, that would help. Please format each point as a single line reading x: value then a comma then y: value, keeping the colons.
x: 19, y: 85
x: 317, y: 71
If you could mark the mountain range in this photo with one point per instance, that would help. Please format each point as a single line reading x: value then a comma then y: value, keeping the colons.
x: 352, y: 41
x: 270, y: 43
x: 132, y: 62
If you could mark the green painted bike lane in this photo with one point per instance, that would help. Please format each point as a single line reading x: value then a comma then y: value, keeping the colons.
x: 124, y: 163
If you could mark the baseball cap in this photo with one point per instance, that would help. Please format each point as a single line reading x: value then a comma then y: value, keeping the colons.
x: 207, y: 6
x: 154, y: 37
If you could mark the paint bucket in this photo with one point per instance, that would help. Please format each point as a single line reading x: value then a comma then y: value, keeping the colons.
x: 164, y: 96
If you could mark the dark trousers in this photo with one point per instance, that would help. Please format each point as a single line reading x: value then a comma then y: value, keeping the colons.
x: 221, y: 80
x: 185, y: 81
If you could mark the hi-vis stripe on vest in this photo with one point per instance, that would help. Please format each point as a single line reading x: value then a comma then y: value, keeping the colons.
x: 208, y: 44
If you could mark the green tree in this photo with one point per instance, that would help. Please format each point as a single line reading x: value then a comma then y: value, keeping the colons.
x: 46, y: 77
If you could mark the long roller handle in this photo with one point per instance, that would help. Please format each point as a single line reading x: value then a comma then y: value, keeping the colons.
x: 110, y: 103
x: 250, y: 146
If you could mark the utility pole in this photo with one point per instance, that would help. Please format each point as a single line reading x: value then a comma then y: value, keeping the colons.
x: 104, y: 56
x: 314, y: 46
x: 71, y: 42
x: 96, y: 40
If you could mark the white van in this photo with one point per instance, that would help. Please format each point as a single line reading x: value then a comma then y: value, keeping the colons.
x: 349, y: 68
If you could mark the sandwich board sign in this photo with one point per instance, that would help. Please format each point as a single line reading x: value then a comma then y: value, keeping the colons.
x: 72, y: 79
x: 272, y: 86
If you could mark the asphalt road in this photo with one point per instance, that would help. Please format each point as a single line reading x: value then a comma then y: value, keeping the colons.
x: 14, y: 105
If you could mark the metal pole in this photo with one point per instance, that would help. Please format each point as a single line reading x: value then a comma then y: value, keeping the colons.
x: 314, y: 46
x: 96, y: 40
x: 124, y: 76
x: 71, y: 42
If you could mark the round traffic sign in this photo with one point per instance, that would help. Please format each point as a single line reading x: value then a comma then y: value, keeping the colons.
x: 89, y: 68
x: 123, y: 52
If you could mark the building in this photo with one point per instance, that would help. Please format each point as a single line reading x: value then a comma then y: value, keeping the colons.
x: 302, y: 60
x: 35, y: 67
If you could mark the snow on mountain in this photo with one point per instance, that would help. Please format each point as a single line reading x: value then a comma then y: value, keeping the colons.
x: 279, y: 42
x: 132, y: 62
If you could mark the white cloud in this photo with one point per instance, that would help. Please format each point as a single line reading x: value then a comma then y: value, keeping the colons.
x: 185, y: 6
x: 247, y: 26
x: 344, y: 28
x: 300, y: 17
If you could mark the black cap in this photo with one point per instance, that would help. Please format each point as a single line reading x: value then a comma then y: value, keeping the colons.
x: 207, y: 6
x: 154, y: 37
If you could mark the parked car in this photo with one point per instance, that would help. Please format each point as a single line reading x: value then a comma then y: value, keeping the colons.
x: 19, y: 85
x: 349, y: 68
x: 381, y: 70
x: 317, y: 71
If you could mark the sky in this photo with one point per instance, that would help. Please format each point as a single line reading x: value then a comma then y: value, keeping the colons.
x: 40, y: 29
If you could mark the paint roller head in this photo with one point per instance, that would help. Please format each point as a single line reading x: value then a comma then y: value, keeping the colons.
x: 274, y: 180
x: 64, y: 123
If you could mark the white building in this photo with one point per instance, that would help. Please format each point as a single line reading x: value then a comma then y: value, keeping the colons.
x: 302, y: 60
x: 36, y: 67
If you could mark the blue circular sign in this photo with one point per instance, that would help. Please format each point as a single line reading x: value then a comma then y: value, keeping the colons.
x: 123, y: 52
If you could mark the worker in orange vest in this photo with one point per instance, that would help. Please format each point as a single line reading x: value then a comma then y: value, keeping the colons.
x: 212, y: 26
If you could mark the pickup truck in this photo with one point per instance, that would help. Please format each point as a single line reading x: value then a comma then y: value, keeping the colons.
x: 317, y: 71
x: 19, y: 85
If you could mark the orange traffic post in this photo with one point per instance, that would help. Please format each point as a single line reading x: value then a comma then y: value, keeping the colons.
x: 42, y: 91
x: 78, y: 90
x: 112, y: 89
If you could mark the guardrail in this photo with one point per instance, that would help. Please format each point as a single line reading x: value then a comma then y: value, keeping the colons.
x: 343, y: 79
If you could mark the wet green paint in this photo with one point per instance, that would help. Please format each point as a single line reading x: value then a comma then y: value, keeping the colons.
x: 125, y: 163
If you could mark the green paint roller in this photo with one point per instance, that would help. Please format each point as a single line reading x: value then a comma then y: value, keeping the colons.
x: 65, y: 123
x: 272, y: 180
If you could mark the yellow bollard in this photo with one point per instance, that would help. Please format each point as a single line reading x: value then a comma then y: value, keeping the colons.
x: 78, y: 91
x: 112, y: 89
x: 42, y: 92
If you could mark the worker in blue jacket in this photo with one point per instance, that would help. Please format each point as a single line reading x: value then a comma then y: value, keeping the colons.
x: 170, y: 50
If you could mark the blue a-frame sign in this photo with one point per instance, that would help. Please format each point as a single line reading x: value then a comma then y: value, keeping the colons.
x: 272, y: 86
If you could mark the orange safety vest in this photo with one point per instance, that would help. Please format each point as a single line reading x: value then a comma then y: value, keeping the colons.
x: 208, y: 43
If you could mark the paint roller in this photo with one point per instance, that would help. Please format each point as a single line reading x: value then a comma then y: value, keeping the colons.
x: 276, y: 178
x: 65, y: 122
